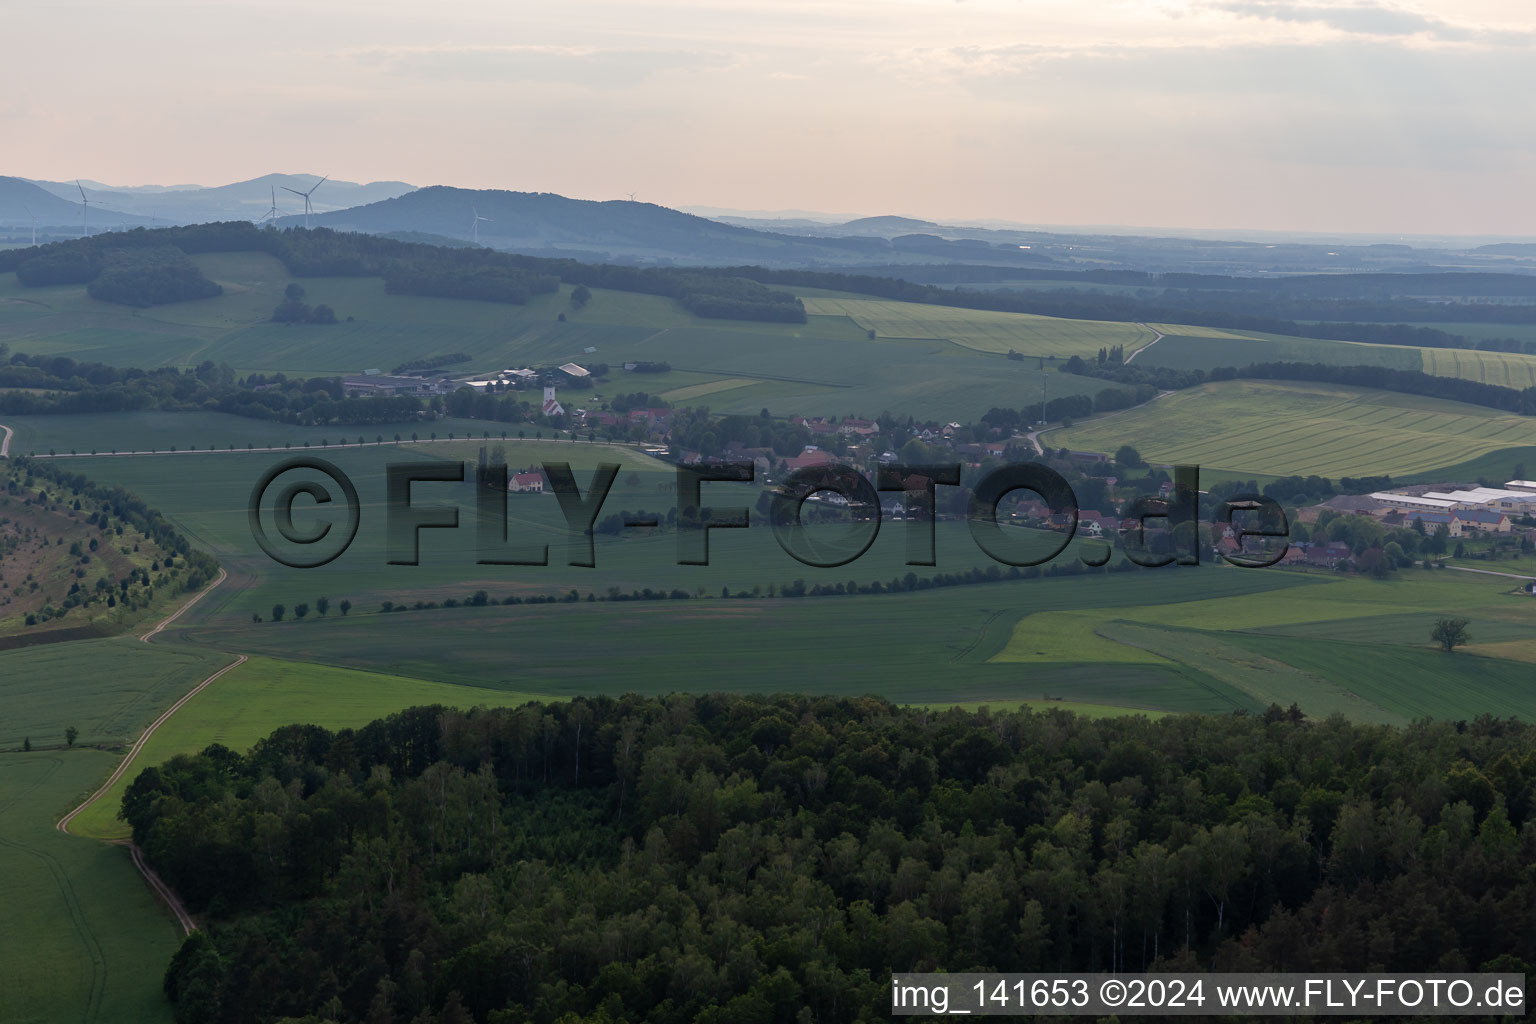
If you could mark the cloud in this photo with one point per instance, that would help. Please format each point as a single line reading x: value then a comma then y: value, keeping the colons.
x: 532, y: 62
x: 1372, y: 19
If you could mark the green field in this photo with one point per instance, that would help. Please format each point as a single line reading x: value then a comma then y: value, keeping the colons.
x: 211, y: 507
x: 1281, y: 428
x: 48, y: 688
x: 825, y: 366
x: 161, y: 431
x: 984, y: 330
x: 85, y: 938
x: 1348, y: 645
x: 265, y: 694
x: 1190, y: 348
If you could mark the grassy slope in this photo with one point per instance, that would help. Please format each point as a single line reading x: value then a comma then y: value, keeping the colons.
x: 85, y: 939
x: 1347, y: 645
x: 211, y: 506
x: 1282, y: 428
x: 265, y: 694
x: 983, y: 330
x: 1195, y: 348
x: 825, y: 366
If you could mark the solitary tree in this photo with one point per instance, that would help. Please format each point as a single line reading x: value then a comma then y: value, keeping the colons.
x: 1129, y: 457
x: 322, y: 605
x: 70, y: 734
x: 1450, y: 633
x: 300, y: 610
x: 580, y: 296
x: 345, y: 606
x: 26, y: 744
x: 277, y: 612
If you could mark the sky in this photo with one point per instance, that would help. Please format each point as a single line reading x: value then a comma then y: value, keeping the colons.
x: 1330, y: 116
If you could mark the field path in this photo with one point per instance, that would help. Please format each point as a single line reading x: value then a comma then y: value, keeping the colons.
x: 1160, y: 336
x: 170, y: 897
x: 5, y: 442
x: 1490, y: 572
x: 179, y: 612
x: 301, y: 449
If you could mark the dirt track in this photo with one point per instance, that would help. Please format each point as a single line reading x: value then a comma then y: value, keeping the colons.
x: 170, y: 897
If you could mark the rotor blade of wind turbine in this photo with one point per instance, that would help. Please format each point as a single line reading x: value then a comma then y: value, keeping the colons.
x: 295, y: 191
x: 317, y: 184
x: 82, y: 191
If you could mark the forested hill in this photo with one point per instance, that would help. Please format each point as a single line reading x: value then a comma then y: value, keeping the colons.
x: 728, y: 859
x: 149, y: 267
x: 547, y: 224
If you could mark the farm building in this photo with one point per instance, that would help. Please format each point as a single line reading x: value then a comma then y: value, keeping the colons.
x: 384, y: 384
x: 1483, y: 520
x: 526, y: 483
x: 1491, y: 498
x: 573, y: 371
x: 1414, y: 502
x: 1434, y: 520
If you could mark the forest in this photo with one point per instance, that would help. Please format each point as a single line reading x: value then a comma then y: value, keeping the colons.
x: 730, y: 858
x: 411, y: 268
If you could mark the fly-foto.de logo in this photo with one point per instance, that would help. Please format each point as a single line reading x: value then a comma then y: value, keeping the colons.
x: 413, y: 491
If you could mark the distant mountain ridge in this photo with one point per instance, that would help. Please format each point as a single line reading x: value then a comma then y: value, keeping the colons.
x: 23, y: 203
x: 543, y: 223
x: 240, y: 200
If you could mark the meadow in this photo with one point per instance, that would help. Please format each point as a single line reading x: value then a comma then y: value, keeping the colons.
x: 1344, y: 645
x: 825, y: 366
x: 1189, y: 348
x: 1281, y: 429
x: 186, y: 432
x: 210, y: 505
x: 264, y: 694
x: 984, y: 330
x: 85, y: 938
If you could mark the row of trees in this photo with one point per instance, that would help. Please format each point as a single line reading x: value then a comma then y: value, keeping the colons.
x: 322, y: 606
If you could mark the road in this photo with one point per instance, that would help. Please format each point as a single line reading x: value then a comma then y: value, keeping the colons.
x: 301, y: 449
x: 171, y: 899
x: 1490, y: 572
x: 5, y: 442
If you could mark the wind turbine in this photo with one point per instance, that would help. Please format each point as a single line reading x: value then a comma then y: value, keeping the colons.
x: 631, y: 196
x: 306, y: 196
x: 271, y: 217
x: 475, y: 224
x: 85, y: 205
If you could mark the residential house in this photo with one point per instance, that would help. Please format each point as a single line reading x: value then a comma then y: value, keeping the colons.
x: 526, y: 483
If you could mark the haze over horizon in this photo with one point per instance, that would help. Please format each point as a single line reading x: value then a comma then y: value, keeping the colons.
x: 1340, y: 116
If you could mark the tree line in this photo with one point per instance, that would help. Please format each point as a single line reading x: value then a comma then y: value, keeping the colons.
x: 1410, y: 382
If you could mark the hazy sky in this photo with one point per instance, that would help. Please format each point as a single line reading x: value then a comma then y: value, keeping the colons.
x: 1327, y: 115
